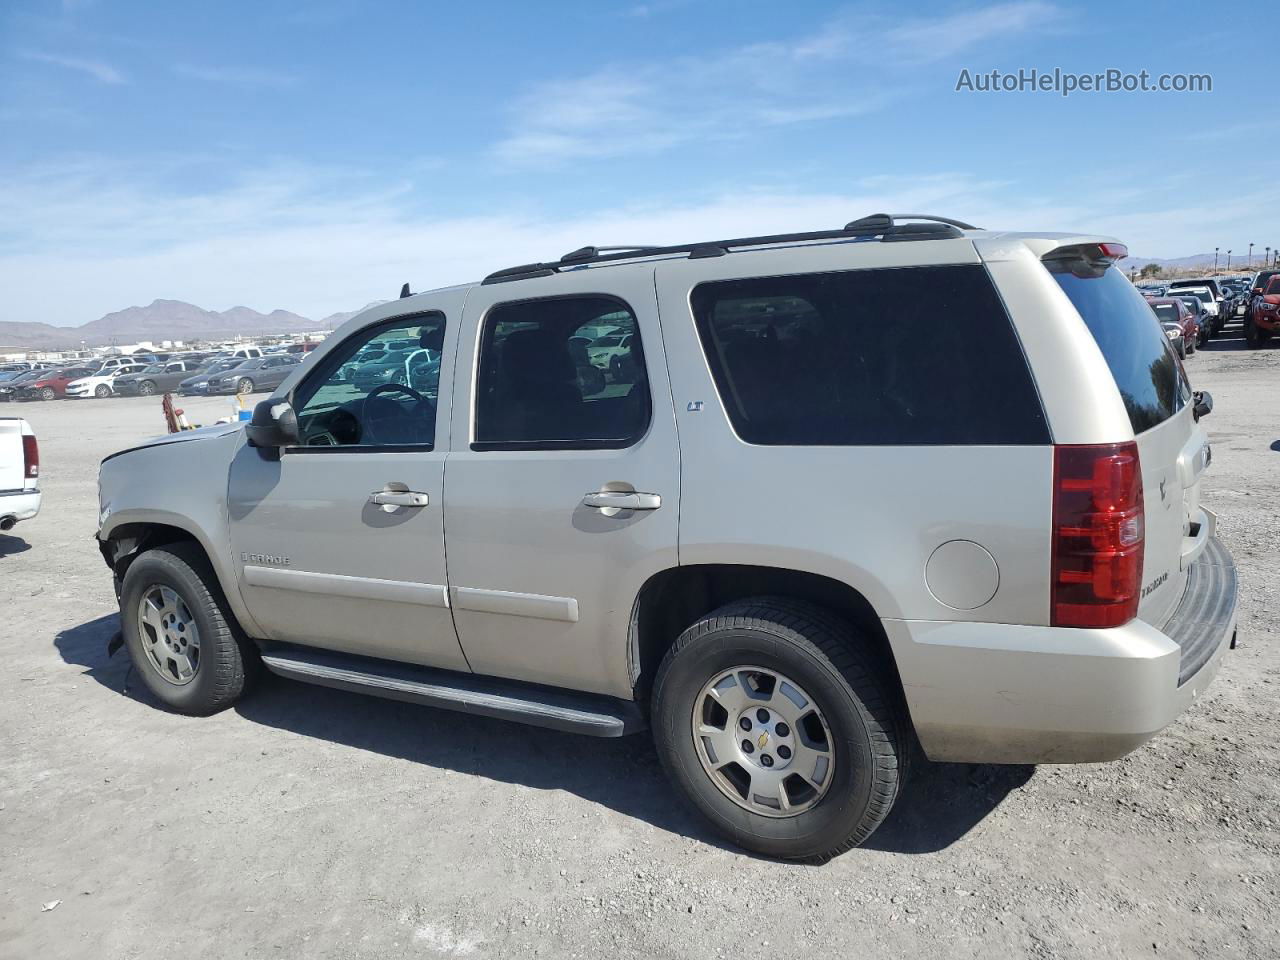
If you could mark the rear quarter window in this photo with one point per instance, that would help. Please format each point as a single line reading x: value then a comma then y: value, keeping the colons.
x: 902, y: 356
x: 1144, y: 366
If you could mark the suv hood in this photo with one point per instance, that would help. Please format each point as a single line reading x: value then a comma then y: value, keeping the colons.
x: 182, y: 436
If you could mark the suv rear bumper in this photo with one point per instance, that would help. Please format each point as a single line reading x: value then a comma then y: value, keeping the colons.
x: 1002, y: 693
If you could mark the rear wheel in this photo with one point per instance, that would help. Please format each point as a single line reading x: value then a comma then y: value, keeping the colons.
x: 777, y: 723
x: 102, y: 390
x: 146, y: 388
x: 180, y: 633
x: 48, y: 393
x: 244, y: 385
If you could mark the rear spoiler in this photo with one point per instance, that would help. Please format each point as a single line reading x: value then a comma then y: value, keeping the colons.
x: 1048, y: 247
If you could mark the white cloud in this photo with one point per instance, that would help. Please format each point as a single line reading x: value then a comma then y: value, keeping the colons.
x: 235, y: 76
x: 847, y: 68
x: 925, y: 40
x: 77, y: 242
x: 102, y: 72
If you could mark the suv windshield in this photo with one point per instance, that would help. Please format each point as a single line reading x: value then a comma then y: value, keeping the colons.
x: 1136, y: 349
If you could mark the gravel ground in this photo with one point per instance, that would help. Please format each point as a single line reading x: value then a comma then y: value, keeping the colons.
x: 311, y: 822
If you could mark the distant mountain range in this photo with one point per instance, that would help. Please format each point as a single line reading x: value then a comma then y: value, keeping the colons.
x: 163, y: 320
x: 1199, y: 261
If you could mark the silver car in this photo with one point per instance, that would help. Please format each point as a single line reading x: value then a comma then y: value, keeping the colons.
x: 905, y: 481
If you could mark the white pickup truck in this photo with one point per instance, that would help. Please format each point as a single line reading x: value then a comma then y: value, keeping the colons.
x: 19, y: 472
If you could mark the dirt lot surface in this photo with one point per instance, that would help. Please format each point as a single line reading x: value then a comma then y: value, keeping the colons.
x: 313, y: 823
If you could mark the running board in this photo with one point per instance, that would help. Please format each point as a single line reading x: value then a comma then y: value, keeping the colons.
x: 558, y: 709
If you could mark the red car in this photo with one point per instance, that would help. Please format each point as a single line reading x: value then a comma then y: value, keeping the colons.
x: 53, y: 385
x: 1264, y: 315
x: 1171, y: 308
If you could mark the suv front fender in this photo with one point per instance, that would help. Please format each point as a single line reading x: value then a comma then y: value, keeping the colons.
x: 170, y: 491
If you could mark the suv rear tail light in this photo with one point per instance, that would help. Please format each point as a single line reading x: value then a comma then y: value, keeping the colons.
x: 1098, y: 535
x: 30, y: 457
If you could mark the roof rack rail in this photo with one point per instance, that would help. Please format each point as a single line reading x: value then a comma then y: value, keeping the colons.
x: 882, y: 225
x: 590, y: 253
x: 888, y: 220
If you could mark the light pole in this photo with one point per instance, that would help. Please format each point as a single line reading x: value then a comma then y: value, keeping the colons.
x: 1266, y: 257
x: 1228, y: 261
x: 1215, y: 259
x: 1250, y: 264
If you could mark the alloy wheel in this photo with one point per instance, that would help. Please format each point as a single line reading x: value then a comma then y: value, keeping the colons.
x: 763, y: 741
x: 169, y: 635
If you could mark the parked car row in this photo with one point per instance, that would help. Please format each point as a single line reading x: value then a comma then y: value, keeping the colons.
x: 1213, y: 301
x: 248, y: 370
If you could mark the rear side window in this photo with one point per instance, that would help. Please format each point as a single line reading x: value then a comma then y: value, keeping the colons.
x: 562, y: 373
x: 913, y: 355
x: 1136, y: 349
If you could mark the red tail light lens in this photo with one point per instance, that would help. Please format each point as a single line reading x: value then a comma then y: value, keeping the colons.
x: 1098, y: 535
x: 30, y: 457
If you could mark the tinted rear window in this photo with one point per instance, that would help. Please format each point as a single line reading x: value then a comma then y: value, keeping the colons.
x: 1167, y: 311
x: 1136, y: 349
x: 918, y: 355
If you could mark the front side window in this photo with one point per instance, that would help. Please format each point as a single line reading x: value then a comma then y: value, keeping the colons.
x: 364, y: 394
x: 561, y: 373
x: 908, y: 355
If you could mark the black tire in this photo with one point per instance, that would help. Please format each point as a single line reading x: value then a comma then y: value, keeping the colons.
x: 228, y: 659
x: 845, y: 679
x: 146, y: 388
x: 244, y: 385
x: 102, y: 391
x: 48, y: 393
x: 1252, y: 335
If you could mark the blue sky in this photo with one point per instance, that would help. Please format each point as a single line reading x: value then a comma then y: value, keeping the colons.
x: 315, y: 156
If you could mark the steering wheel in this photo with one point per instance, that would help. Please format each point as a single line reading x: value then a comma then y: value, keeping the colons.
x: 375, y: 410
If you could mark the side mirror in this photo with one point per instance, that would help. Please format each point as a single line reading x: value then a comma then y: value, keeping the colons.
x: 1203, y: 401
x: 273, y: 425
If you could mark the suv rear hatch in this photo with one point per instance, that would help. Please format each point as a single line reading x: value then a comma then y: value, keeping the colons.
x: 1172, y: 447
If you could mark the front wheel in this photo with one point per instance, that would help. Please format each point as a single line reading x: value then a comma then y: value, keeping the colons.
x: 780, y: 725
x: 146, y: 388
x: 48, y: 393
x: 101, y: 391
x: 245, y: 385
x: 180, y: 633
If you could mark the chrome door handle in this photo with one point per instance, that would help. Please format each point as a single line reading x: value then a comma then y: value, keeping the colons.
x: 397, y: 498
x: 612, y: 501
